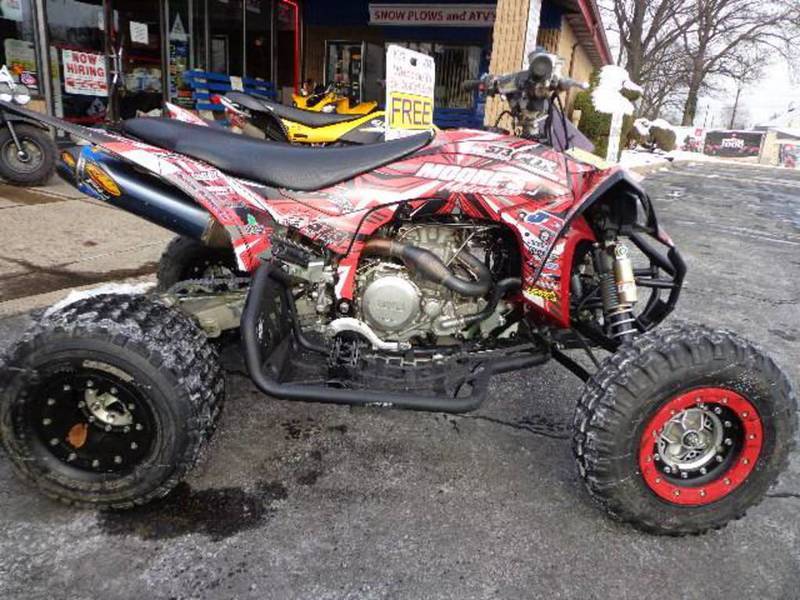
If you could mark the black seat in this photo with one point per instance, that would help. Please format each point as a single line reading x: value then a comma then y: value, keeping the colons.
x: 298, y: 115
x: 271, y: 163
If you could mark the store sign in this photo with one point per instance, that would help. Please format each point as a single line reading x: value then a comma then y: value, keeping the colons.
x: 410, y: 79
x: 434, y: 15
x: 84, y: 73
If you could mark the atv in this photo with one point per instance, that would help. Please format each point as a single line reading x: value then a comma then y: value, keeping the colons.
x: 402, y: 274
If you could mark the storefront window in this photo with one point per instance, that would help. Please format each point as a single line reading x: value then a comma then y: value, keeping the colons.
x: 139, y: 31
x: 77, y: 59
x: 17, y: 51
x: 454, y: 64
x: 258, y: 42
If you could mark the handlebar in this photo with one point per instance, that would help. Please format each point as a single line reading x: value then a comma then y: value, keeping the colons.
x: 514, y: 82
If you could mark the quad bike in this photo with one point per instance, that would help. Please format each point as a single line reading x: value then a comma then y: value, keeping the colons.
x: 402, y: 274
x: 333, y: 99
x: 261, y: 118
x: 27, y: 151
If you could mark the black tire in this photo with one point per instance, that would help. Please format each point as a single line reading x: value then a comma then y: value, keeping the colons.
x: 159, y: 361
x: 41, y: 162
x: 637, y: 384
x: 185, y: 258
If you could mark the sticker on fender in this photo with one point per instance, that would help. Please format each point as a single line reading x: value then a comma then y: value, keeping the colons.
x: 409, y: 111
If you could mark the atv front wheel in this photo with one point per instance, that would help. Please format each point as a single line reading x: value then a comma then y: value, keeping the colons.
x: 185, y: 258
x: 684, y: 430
x: 107, y: 402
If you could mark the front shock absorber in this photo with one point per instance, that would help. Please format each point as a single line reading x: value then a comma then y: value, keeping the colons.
x: 618, y: 290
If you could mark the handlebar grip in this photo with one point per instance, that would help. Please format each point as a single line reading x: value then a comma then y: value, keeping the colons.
x: 472, y: 85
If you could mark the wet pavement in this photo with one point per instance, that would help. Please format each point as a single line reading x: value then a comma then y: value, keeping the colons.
x: 314, y: 501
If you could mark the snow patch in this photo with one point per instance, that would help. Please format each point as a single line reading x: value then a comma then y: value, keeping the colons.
x: 607, y: 96
x: 74, y: 296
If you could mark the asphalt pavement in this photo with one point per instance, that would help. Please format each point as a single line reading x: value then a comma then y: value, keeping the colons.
x: 313, y: 501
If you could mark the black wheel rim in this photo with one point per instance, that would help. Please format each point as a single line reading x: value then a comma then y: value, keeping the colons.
x: 94, y: 421
x: 27, y: 161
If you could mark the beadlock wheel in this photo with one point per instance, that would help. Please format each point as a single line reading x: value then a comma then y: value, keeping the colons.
x: 684, y: 429
x: 700, y: 446
x: 108, y: 401
x: 90, y: 417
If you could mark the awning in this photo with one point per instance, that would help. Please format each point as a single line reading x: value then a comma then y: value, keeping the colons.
x: 584, y: 18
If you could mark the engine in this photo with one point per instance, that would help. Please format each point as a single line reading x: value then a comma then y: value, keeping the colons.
x: 400, y: 304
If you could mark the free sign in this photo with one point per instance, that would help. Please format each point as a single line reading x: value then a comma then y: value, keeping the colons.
x: 410, y: 79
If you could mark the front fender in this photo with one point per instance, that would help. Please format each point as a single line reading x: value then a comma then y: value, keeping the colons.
x: 8, y: 117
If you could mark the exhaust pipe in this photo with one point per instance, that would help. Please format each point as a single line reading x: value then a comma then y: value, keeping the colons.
x: 428, y: 265
x: 153, y: 200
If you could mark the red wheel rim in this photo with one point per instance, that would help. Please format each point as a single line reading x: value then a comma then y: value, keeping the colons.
x: 727, y: 469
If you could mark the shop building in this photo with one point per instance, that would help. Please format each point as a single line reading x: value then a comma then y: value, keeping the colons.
x: 64, y: 49
x: 67, y: 52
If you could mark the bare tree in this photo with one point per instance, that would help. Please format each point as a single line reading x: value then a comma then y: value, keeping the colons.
x: 649, y: 33
x: 725, y: 33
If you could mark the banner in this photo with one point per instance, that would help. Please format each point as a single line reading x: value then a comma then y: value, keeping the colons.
x: 84, y: 73
x: 410, y: 79
x: 433, y: 15
x: 733, y: 143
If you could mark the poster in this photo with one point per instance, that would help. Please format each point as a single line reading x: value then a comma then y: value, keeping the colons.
x: 84, y: 73
x: 433, y: 15
x: 21, y: 61
x: 789, y: 156
x: 139, y: 33
x: 410, y: 81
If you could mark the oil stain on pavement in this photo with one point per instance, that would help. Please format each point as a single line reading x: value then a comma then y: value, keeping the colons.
x: 217, y: 513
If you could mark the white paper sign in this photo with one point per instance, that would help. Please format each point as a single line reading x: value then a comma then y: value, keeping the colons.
x: 84, y: 73
x: 410, y: 82
x: 236, y: 84
x: 11, y: 9
x: 139, y: 33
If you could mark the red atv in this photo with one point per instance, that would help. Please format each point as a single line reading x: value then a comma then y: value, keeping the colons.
x: 401, y: 274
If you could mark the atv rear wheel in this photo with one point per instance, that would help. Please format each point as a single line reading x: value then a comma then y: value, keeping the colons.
x: 185, y: 258
x: 684, y: 430
x: 107, y: 402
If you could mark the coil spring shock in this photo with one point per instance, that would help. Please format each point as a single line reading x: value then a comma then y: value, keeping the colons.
x: 618, y: 290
